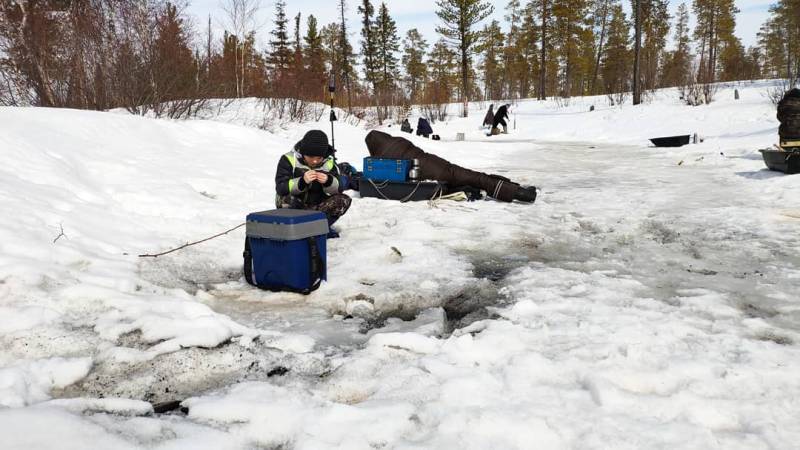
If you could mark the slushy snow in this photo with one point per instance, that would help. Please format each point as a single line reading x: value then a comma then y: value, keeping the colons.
x: 648, y: 299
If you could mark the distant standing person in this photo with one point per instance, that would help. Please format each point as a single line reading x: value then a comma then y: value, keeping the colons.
x: 488, y: 120
x: 500, y: 119
x: 424, y: 127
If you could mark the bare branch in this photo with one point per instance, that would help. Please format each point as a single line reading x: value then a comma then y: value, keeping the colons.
x: 61, y: 233
x: 191, y: 243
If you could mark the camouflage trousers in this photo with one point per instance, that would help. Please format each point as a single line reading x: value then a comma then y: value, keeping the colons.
x: 334, y: 207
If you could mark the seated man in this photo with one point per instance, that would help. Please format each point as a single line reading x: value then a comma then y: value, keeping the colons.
x: 432, y: 167
x: 406, y: 127
x: 789, y: 117
x: 308, y: 178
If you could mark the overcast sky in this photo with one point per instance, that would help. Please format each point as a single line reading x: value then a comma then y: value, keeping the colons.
x: 422, y: 15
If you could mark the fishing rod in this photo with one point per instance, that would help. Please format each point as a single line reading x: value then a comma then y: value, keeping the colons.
x: 332, y: 92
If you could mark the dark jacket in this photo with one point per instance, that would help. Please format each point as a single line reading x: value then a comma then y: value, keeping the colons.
x: 293, y: 192
x: 489, y: 117
x: 424, y: 127
x: 789, y: 115
x: 500, y: 115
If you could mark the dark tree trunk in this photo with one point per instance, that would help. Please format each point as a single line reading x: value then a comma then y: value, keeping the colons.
x: 637, y: 88
x: 543, y: 62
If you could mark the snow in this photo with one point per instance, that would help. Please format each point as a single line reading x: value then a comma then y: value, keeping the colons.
x: 647, y: 299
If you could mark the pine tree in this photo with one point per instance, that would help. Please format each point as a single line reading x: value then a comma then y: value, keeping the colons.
x: 298, y: 44
x: 174, y: 64
x: 459, y: 17
x: 334, y: 50
x: 678, y: 65
x: 227, y: 77
x: 512, y: 60
x: 779, y: 38
x: 388, y: 44
x: 527, y: 53
x: 734, y: 64
x: 280, y: 55
x: 314, y: 57
x: 655, y: 27
x: 344, y: 63
x: 492, y: 65
x: 369, y: 46
x: 414, y: 50
x: 715, y: 25
x: 571, y: 36
x: 600, y: 20
x: 298, y: 65
x: 637, y: 54
x: 442, y: 65
x: 617, y: 57
x: 547, y: 64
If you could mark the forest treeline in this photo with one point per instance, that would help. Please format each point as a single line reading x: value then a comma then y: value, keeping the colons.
x: 149, y: 55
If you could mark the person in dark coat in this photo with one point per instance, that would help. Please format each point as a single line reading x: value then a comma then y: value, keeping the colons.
x: 405, y: 126
x: 432, y: 167
x: 424, y: 127
x: 789, y: 117
x: 308, y: 178
x: 488, y: 119
x: 500, y: 119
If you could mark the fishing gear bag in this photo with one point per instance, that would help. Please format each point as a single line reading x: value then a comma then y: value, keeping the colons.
x: 285, y: 250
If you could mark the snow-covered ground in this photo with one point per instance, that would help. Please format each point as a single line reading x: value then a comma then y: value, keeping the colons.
x: 648, y: 299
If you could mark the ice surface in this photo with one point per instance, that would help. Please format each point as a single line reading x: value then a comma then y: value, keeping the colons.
x: 647, y: 299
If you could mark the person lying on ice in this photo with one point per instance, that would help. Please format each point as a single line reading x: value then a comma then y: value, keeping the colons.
x: 432, y: 167
x: 500, y: 119
x: 308, y: 178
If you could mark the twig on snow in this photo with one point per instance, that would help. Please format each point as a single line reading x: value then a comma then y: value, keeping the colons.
x: 61, y: 233
x: 192, y: 243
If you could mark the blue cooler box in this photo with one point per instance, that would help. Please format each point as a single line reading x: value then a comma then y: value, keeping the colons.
x: 285, y: 250
x: 379, y: 169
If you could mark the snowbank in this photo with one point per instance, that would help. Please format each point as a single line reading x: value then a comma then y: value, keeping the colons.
x: 647, y: 299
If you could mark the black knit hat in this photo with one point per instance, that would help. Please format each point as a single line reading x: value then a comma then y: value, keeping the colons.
x: 314, y: 143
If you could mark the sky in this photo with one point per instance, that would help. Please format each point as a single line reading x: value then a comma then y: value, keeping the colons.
x: 422, y: 15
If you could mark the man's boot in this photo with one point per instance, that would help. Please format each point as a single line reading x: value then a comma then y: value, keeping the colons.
x: 526, y: 194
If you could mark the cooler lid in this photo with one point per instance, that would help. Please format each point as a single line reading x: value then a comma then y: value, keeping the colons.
x: 286, y: 216
x: 286, y: 224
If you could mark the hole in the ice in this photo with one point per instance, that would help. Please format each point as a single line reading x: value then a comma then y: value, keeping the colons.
x: 277, y: 372
x: 133, y: 339
x: 759, y: 312
x: 191, y: 372
x: 774, y: 337
x: 496, y: 269
x: 659, y: 232
x: 379, y: 320
x: 190, y: 273
x: 470, y: 306
x: 169, y: 406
